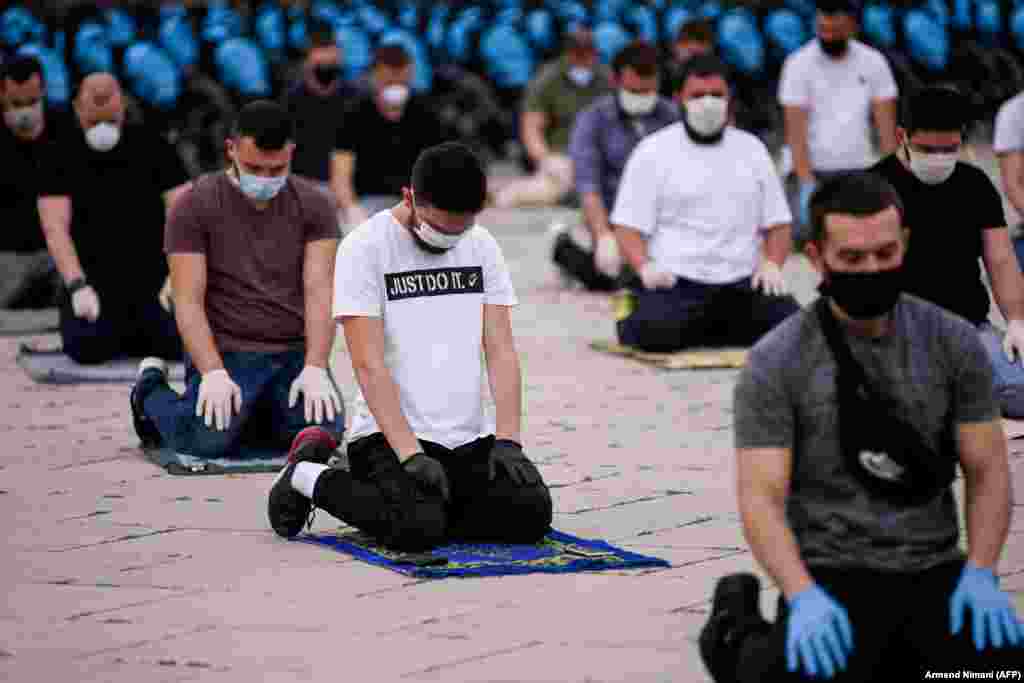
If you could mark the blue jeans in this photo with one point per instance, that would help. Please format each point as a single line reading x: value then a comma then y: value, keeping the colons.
x: 1009, y: 376
x: 265, y: 420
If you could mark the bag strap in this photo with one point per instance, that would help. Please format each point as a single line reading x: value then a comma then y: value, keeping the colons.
x: 848, y: 365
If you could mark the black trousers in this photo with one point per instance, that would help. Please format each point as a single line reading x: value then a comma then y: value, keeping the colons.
x: 378, y: 497
x: 696, y: 314
x: 124, y: 329
x: 901, y: 629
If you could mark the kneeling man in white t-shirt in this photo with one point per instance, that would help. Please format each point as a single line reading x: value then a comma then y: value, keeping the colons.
x: 424, y: 296
x: 702, y: 217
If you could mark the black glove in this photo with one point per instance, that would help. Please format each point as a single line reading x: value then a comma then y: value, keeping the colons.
x: 509, y: 455
x: 429, y: 471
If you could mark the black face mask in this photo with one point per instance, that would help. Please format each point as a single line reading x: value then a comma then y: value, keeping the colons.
x: 834, y: 48
x: 327, y: 73
x: 863, y: 296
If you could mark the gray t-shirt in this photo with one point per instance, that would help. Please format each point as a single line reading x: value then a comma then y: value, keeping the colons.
x: 932, y: 362
x: 1009, y: 132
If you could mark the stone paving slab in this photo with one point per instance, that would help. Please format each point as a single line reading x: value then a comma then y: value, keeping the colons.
x: 116, y: 571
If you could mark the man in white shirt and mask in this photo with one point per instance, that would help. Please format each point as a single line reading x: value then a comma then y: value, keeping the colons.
x: 702, y: 218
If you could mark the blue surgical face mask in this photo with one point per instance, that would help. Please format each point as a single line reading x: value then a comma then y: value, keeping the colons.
x: 260, y: 188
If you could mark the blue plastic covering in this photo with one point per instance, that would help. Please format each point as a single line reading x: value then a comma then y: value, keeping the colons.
x: 92, y: 51
x: 939, y: 10
x: 298, y: 39
x: 325, y: 11
x: 356, y: 50
x: 571, y: 13
x: 458, y: 43
x: 220, y: 23
x: 785, y: 31
x: 675, y: 17
x: 55, y: 72
x: 423, y: 72
x: 990, y: 22
x: 609, y: 38
x: 409, y: 15
x: 271, y: 28
x: 805, y: 8
x: 610, y: 10
x: 437, y: 27
x: 962, y: 18
x: 644, y: 23
x: 1017, y: 26
x: 178, y: 39
x: 710, y: 10
x: 507, y: 57
x: 927, y: 41
x: 120, y: 27
x: 740, y: 42
x: 19, y: 26
x: 879, y: 23
x: 540, y: 29
x: 242, y: 67
x: 152, y: 75
x: 373, y: 20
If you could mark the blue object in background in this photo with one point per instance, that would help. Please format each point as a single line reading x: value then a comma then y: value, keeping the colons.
x: 298, y: 39
x: 805, y: 8
x: 1017, y: 26
x: 962, y: 18
x: 571, y: 13
x: 939, y: 10
x: 18, y: 26
x: 644, y: 23
x: 458, y: 42
x: 609, y: 10
x: 55, y: 73
x: 540, y: 30
x: 92, y: 51
x: 785, y: 32
x: 357, y: 53
x: 437, y: 28
x: 409, y: 16
x: 220, y: 23
x: 120, y: 27
x: 241, y: 67
x: 373, y: 20
x: 879, y: 23
x: 271, y: 28
x: 176, y: 36
x: 989, y: 22
x: 740, y: 42
x: 325, y: 11
x: 423, y: 72
x: 675, y: 17
x: 927, y: 41
x: 710, y: 10
x: 609, y: 38
x: 507, y: 58
x: 152, y: 75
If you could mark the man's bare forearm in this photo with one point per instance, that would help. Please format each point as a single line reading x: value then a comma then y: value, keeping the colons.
x: 633, y: 247
x: 778, y: 240
x: 595, y: 214
x: 320, y: 328
x: 796, y: 138
x: 383, y: 399
x: 55, y: 217
x: 197, y: 336
x: 773, y: 542
x: 987, y: 504
x: 507, y: 387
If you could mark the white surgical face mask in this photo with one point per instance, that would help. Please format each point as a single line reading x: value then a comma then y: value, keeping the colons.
x: 260, y: 188
x: 434, y: 238
x: 707, y: 115
x: 24, y: 119
x: 103, y: 137
x: 932, y: 169
x: 394, y: 96
x: 581, y: 76
x: 635, y: 104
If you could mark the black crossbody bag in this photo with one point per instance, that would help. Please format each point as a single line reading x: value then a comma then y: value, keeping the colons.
x: 885, y: 453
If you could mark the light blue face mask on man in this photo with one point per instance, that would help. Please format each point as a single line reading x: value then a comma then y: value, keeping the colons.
x: 260, y: 188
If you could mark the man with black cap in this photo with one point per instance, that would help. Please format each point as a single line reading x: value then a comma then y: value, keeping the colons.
x: 831, y: 90
x: 955, y: 216
x: 850, y: 419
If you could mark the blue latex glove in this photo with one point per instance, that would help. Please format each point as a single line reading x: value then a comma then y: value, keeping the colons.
x: 994, y: 619
x: 806, y: 190
x: 819, y: 636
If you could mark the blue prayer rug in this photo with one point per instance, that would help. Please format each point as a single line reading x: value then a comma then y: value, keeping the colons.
x: 558, y: 553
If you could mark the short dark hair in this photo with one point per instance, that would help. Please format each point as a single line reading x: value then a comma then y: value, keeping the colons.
x: 702, y: 66
x: 21, y: 68
x: 267, y: 123
x: 640, y: 56
x: 450, y: 177
x: 701, y: 30
x: 859, y: 193
x: 393, y: 55
x: 851, y: 7
x: 321, y: 34
x: 936, y: 108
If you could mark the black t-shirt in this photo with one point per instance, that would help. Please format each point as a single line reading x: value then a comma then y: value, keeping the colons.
x: 946, y: 223
x: 317, y: 122
x: 22, y: 171
x: 117, y: 208
x: 386, y: 150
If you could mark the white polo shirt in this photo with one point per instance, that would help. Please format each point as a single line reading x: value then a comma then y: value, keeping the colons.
x: 432, y: 306
x: 702, y: 207
x: 1009, y: 133
x: 837, y: 95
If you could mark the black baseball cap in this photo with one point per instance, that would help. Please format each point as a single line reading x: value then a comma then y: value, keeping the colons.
x: 851, y: 7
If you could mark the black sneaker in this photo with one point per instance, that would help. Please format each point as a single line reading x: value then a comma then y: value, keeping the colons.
x: 735, y: 613
x: 152, y: 372
x: 287, y: 509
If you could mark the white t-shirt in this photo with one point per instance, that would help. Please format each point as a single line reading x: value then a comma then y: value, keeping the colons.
x: 433, y: 311
x: 702, y: 207
x: 837, y: 94
x: 1009, y: 135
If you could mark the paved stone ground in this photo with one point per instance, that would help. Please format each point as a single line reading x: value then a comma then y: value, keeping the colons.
x: 116, y: 571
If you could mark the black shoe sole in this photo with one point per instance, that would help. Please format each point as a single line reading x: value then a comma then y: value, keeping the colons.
x: 283, y: 501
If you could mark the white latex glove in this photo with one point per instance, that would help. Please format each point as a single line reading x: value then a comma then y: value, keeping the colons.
x: 606, y: 255
x: 558, y: 167
x: 165, y: 295
x: 653, y: 278
x: 1013, y: 340
x: 86, y: 304
x: 219, y: 398
x: 768, y: 278
x: 320, y: 397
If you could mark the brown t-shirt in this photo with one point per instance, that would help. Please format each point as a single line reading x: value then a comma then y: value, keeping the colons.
x: 254, y: 258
